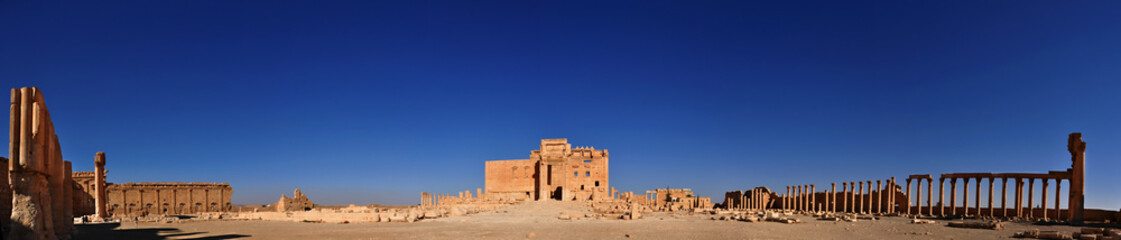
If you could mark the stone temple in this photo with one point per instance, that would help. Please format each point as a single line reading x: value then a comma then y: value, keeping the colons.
x: 556, y: 171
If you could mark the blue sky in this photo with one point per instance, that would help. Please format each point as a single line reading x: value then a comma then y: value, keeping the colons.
x: 374, y: 102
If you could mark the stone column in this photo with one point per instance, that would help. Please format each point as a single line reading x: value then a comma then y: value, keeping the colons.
x: 1058, y: 194
x: 832, y: 198
x: 953, y: 196
x: 1003, y: 197
x: 965, y: 197
x: 813, y: 197
x: 1031, y: 197
x: 941, y: 197
x: 991, y: 197
x: 1019, y: 197
x: 852, y: 196
x: 844, y: 197
x: 879, y: 197
x: 1076, y: 199
x: 909, y: 196
x: 100, y: 197
x: 891, y: 195
x: 977, y: 193
x: 860, y: 200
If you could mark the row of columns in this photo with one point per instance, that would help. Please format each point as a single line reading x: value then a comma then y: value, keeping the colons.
x: 754, y: 199
x: 855, y: 198
x: 1018, y: 208
x: 800, y: 198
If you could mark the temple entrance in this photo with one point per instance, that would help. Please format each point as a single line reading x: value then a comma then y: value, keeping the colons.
x: 558, y: 194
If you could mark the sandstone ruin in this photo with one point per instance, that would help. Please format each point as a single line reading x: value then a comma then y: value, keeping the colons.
x: 555, y: 171
x: 298, y: 202
x: 106, y: 199
x: 39, y: 179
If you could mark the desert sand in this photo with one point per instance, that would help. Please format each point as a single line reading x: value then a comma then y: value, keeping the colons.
x: 539, y: 220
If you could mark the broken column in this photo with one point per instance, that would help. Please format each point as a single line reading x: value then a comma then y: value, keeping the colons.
x: 37, y: 173
x: 100, y: 198
x: 1077, y: 199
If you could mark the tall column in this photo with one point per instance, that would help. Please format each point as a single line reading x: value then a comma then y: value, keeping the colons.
x: 1043, y: 198
x: 1058, y: 195
x: 879, y: 197
x: 1031, y: 197
x: 965, y: 197
x: 990, y: 196
x: 891, y: 196
x: 1003, y: 197
x: 977, y: 200
x: 832, y: 198
x: 100, y: 198
x: 909, y: 196
x: 860, y: 199
x: 1019, y: 197
x: 844, y: 197
x: 941, y: 197
x: 953, y: 196
x: 1076, y: 199
x: 813, y: 197
x: 852, y: 196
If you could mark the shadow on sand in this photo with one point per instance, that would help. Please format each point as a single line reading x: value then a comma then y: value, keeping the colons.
x: 107, y: 231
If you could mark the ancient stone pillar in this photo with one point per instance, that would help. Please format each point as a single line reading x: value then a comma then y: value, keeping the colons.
x: 977, y: 193
x: 891, y: 195
x: 941, y: 197
x: 991, y: 197
x: 1031, y: 197
x: 844, y: 197
x: 879, y: 197
x: 953, y: 196
x: 1043, y: 198
x: 1058, y: 195
x: 909, y: 195
x: 813, y: 197
x: 1077, y: 199
x: 1003, y: 197
x: 860, y: 200
x: 832, y: 198
x: 1019, y: 197
x: 965, y: 197
x: 100, y: 198
x: 852, y: 196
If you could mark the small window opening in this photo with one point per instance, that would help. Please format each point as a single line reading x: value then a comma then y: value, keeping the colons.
x: 597, y: 183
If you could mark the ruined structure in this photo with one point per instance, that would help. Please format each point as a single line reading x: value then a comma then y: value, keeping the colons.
x: 298, y: 202
x: 889, y: 197
x: 38, y: 178
x: 105, y: 199
x: 555, y: 171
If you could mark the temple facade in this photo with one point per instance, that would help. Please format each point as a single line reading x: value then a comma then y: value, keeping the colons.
x: 555, y: 171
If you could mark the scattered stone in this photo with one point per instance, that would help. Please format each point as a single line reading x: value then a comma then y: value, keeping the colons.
x: 980, y: 225
x: 921, y: 221
x: 531, y: 235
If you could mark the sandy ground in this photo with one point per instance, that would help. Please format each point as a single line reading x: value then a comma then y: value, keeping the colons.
x: 540, y: 219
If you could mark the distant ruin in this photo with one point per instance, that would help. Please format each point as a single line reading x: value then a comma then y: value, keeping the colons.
x: 298, y: 202
x: 142, y: 199
x: 555, y: 171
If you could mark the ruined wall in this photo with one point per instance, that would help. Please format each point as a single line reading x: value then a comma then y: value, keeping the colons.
x: 298, y: 202
x: 510, y: 179
x: 140, y: 199
x: 38, y: 177
x: 85, y: 189
x: 556, y: 171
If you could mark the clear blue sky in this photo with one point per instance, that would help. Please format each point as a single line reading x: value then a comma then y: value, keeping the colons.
x: 375, y: 102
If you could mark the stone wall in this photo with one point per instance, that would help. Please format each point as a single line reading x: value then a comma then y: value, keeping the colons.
x: 38, y: 177
x: 140, y: 199
x: 555, y: 171
x: 298, y: 202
